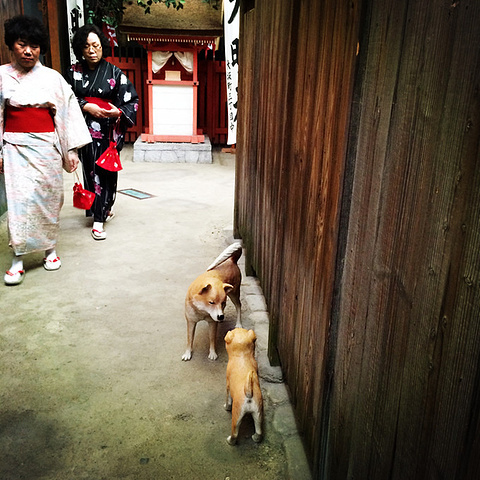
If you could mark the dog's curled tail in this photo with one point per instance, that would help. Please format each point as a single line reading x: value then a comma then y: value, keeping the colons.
x: 251, y: 378
x: 234, y: 251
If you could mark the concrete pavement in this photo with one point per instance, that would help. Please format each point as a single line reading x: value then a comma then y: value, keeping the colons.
x: 92, y: 384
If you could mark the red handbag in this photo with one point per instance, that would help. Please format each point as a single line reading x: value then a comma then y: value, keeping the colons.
x: 82, y: 198
x: 110, y: 159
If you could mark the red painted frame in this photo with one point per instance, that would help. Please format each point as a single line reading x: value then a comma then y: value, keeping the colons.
x: 149, y: 136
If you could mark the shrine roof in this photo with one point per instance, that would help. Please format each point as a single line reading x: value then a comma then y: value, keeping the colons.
x: 196, y: 18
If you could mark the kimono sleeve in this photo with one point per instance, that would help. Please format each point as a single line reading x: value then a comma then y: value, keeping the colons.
x: 70, y: 125
x: 74, y: 74
x: 126, y: 101
x: 2, y: 111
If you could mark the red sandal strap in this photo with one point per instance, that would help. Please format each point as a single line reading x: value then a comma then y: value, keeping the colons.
x: 8, y: 272
x: 56, y: 259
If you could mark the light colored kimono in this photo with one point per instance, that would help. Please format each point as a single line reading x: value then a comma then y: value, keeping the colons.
x: 33, y: 161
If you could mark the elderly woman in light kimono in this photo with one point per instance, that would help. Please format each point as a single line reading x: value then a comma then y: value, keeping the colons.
x: 41, y: 127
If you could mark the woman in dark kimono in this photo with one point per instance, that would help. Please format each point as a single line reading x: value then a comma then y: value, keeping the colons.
x: 109, y: 103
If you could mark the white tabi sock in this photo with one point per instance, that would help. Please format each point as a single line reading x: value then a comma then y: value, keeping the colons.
x: 51, y: 254
x: 17, y: 264
x: 98, y: 226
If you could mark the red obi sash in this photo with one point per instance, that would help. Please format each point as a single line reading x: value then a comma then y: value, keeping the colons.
x: 28, y: 120
x: 99, y: 101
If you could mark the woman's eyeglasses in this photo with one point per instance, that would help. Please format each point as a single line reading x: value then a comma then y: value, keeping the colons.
x: 95, y: 46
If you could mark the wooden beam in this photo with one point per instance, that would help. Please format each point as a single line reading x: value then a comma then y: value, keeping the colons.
x: 50, y: 14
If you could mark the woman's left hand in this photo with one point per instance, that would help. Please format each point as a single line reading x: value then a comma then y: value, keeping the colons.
x: 70, y: 163
x: 114, y: 112
x: 98, y: 112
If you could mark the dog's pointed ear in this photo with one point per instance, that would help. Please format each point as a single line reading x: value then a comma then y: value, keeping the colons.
x: 251, y: 335
x: 205, y: 289
x: 229, y: 337
x: 227, y: 287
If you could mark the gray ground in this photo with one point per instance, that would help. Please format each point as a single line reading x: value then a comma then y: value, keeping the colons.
x: 92, y: 385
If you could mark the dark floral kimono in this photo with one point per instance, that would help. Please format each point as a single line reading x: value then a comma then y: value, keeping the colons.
x: 109, y: 83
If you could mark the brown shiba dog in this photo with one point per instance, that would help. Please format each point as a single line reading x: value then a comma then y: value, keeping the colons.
x: 243, y: 388
x: 207, y: 296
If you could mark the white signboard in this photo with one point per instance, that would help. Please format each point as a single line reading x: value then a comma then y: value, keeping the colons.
x: 232, y: 24
x: 172, y: 109
x: 75, y: 19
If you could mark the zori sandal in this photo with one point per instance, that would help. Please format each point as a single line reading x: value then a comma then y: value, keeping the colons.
x: 110, y: 216
x: 99, y: 234
x: 14, y: 278
x: 52, y: 265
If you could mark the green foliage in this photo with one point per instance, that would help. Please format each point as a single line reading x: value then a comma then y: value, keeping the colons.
x: 111, y: 11
x: 214, y: 3
x: 108, y: 11
x: 177, y: 4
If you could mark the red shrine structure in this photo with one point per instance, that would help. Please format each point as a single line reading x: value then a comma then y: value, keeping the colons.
x: 172, y: 86
x: 173, y: 40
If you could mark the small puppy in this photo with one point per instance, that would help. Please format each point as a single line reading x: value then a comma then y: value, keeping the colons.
x: 207, y: 296
x: 243, y: 387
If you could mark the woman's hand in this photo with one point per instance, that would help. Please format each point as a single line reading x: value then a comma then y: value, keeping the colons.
x: 1, y: 165
x: 98, y: 112
x: 70, y: 163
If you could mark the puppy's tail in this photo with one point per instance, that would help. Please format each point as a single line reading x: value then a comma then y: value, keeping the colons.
x: 234, y: 252
x: 251, y: 378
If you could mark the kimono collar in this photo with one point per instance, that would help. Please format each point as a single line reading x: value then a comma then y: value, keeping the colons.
x: 18, y: 73
x: 86, y: 68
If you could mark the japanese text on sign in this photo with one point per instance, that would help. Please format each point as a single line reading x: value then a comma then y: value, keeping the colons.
x: 231, y: 22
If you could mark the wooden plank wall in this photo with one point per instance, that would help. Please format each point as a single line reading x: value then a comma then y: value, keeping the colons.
x: 408, y: 316
x: 8, y: 9
x: 358, y: 200
x: 296, y: 90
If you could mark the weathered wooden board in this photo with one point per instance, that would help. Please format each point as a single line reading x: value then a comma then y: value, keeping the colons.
x: 8, y: 9
x: 358, y: 199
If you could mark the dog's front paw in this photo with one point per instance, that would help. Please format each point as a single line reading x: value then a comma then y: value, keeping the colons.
x: 231, y: 440
x: 228, y: 407
x: 187, y: 355
x: 256, y: 437
x: 212, y: 355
